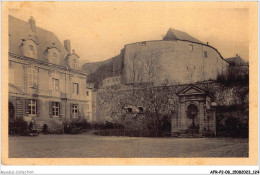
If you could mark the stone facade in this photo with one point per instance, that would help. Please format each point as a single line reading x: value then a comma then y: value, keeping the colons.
x: 195, y: 111
x: 46, y: 83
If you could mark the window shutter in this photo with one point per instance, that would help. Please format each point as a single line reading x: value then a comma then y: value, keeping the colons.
x: 61, y: 85
x: 50, y: 108
x: 79, y: 113
x: 60, y: 110
x: 72, y: 89
x: 25, y: 79
x: 50, y: 85
x: 38, y: 76
x: 38, y: 107
x: 26, y: 102
x: 78, y: 88
x: 81, y: 88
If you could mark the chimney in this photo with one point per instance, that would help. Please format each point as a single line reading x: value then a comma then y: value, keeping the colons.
x: 32, y: 24
x: 237, y: 55
x: 207, y: 43
x: 67, y: 46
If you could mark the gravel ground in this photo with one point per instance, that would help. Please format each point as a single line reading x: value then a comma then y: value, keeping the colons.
x: 84, y: 145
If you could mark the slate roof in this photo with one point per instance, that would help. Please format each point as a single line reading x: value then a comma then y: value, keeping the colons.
x: 19, y: 29
x: 237, y: 61
x: 173, y: 34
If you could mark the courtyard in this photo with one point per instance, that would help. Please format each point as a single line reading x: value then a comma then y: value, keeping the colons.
x: 90, y: 146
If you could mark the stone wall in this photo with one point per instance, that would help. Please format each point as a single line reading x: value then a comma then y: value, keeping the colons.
x: 178, y: 62
x: 112, y: 103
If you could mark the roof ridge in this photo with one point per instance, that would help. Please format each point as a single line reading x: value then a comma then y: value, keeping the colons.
x: 174, y: 34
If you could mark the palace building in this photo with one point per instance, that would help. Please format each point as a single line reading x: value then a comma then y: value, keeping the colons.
x: 46, y: 81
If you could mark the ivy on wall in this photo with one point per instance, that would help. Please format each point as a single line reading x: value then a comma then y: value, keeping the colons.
x: 159, y: 104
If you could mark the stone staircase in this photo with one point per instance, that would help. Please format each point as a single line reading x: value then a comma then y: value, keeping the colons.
x: 19, y: 107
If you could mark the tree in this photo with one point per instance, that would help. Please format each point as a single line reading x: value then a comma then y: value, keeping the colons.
x: 152, y: 66
x: 160, y: 105
x: 135, y: 69
x: 145, y: 68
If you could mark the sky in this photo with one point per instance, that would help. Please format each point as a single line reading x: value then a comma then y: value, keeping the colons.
x: 99, y: 30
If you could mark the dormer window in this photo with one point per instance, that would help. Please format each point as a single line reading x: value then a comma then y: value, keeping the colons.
x: 31, y: 51
x: 54, y: 58
x: 31, y: 47
x: 52, y: 54
x: 74, y: 63
x: 72, y: 60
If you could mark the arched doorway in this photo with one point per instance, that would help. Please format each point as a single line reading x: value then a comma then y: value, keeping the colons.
x: 11, y: 111
x: 192, y: 114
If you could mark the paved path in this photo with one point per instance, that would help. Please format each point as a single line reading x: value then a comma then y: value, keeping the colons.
x: 81, y: 146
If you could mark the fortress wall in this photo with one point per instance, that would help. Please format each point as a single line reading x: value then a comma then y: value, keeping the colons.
x: 111, y: 102
x: 172, y: 61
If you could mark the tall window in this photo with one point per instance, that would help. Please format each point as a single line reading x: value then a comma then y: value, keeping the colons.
x: 32, y: 77
x: 87, y: 93
x: 55, y: 84
x: 54, y: 58
x: 31, y: 51
x: 74, y: 63
x: 205, y: 54
x: 190, y: 48
x: 76, y: 88
x: 32, y: 107
x: 75, y: 110
x: 56, y: 109
x: 31, y: 47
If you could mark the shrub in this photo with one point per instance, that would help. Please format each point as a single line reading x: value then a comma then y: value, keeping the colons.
x: 232, y: 121
x: 165, y: 124
x: 133, y: 133
x: 76, y: 126
x: 55, y: 127
x: 17, y: 126
x: 238, y: 75
x: 107, y: 125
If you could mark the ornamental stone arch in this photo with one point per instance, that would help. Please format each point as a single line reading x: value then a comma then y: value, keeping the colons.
x: 195, y: 115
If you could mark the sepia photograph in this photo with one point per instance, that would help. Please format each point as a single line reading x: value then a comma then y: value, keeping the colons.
x: 129, y: 80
